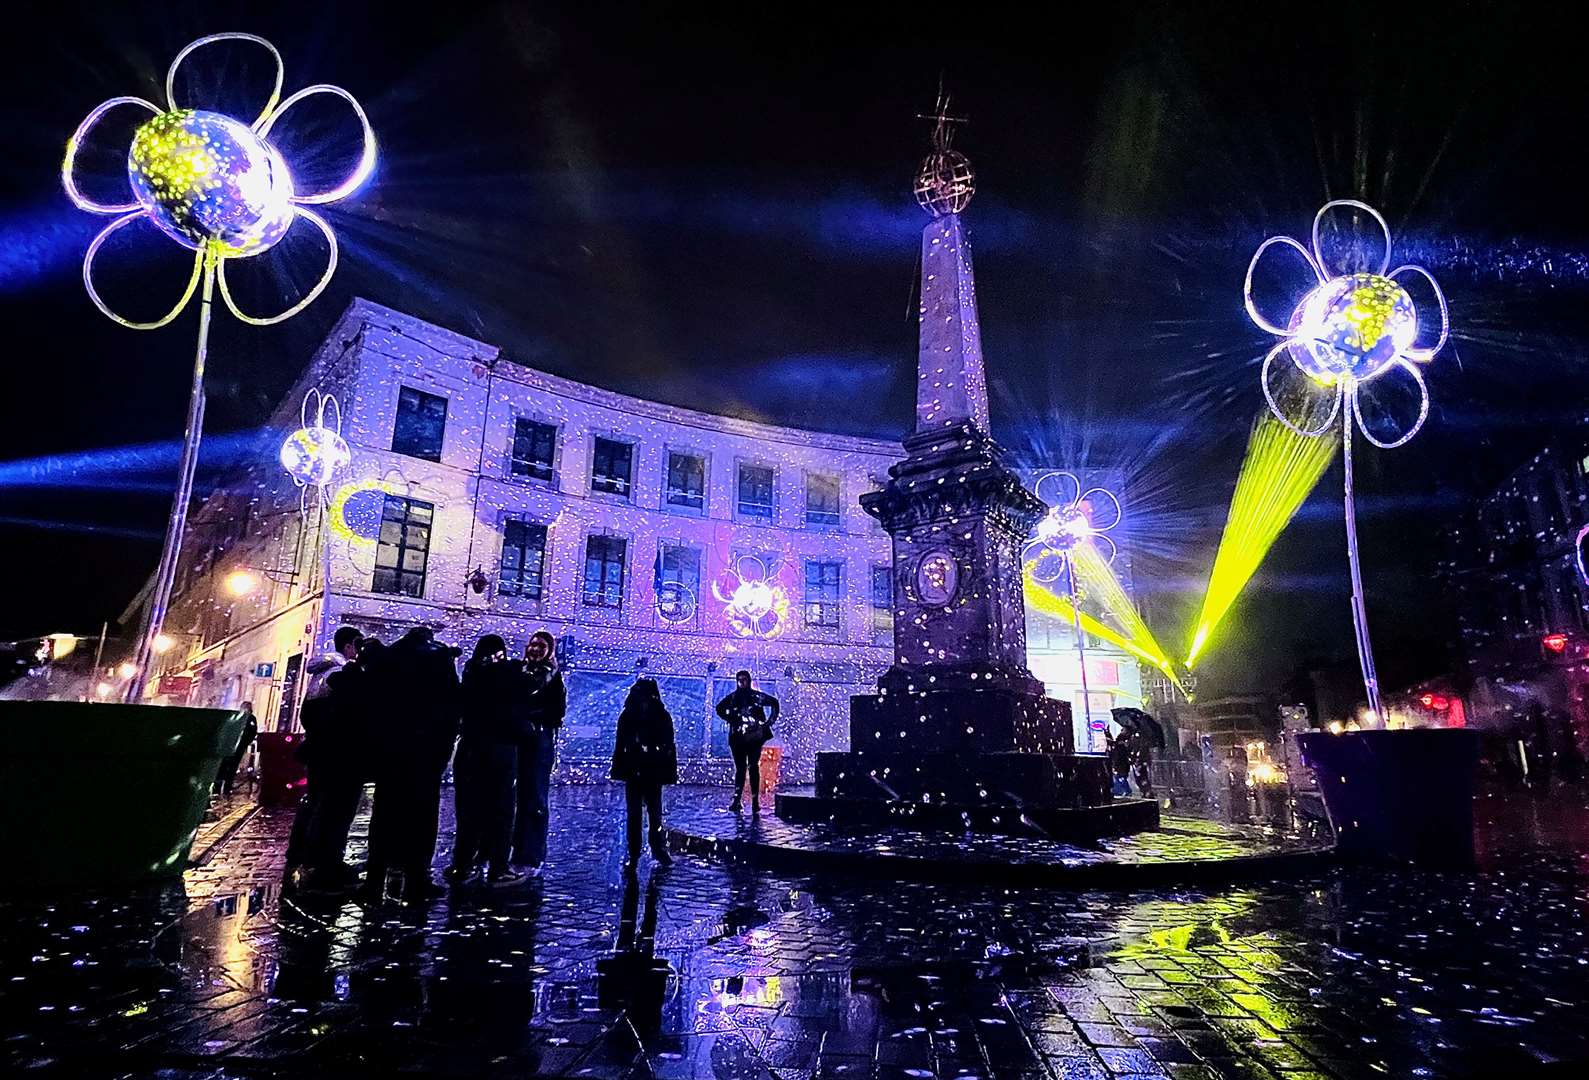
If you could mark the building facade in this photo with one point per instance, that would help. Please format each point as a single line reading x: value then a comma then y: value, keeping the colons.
x: 487, y: 497
x: 1515, y: 572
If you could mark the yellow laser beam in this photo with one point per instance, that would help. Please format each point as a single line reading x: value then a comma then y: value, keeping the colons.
x: 1039, y: 596
x: 1280, y: 470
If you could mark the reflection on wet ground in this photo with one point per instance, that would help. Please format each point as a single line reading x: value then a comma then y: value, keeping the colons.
x: 710, y: 970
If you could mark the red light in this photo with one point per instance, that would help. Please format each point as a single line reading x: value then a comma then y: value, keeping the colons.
x: 1427, y: 699
x: 1439, y: 704
x: 1556, y: 642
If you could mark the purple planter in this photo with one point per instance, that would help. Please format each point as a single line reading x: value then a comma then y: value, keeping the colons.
x: 1404, y: 796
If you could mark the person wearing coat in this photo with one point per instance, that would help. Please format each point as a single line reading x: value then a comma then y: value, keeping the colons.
x: 750, y: 715
x: 414, y: 695
x: 645, y: 758
x: 494, y: 700
x: 546, y: 700
x: 332, y: 743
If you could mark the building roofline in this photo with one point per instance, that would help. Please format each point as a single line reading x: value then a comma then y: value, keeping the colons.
x: 362, y: 310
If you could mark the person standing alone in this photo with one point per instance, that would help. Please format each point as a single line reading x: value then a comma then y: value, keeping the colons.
x: 645, y: 758
x: 546, y: 702
x: 750, y: 715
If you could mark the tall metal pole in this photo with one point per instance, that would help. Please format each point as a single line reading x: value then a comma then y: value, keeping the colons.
x: 1081, y: 648
x: 165, y: 575
x: 1365, y: 648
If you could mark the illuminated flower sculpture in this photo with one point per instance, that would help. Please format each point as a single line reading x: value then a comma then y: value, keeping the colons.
x: 316, y: 452
x: 1351, y: 328
x: 218, y: 187
x: 1075, y: 516
x: 754, y: 600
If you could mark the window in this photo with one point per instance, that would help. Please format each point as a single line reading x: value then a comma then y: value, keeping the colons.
x: 534, y: 447
x: 882, y: 598
x: 523, y: 559
x: 404, y: 546
x: 686, y: 480
x: 604, y: 571
x: 678, y: 582
x: 421, y: 419
x: 610, y: 466
x: 822, y: 500
x: 755, y: 491
x: 822, y: 593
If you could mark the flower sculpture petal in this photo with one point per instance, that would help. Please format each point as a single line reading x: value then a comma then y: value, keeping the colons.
x: 1351, y: 327
x: 214, y: 185
x: 1075, y: 516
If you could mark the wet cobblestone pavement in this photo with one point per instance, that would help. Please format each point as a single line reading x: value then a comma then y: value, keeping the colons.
x: 1348, y: 973
x: 1184, y: 848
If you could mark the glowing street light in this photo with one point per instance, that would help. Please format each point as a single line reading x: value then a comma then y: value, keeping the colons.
x: 220, y: 188
x: 1351, y: 328
x: 241, y: 582
x: 162, y: 644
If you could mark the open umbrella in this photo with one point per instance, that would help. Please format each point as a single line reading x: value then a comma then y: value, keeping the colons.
x: 1136, y: 720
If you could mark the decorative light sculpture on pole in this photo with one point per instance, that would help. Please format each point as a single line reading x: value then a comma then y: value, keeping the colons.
x: 1072, y: 520
x: 1351, y: 328
x: 312, y: 456
x: 218, y: 187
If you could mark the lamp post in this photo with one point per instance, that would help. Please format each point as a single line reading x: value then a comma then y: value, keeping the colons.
x: 220, y: 188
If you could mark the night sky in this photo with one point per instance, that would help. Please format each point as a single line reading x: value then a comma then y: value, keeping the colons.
x: 712, y: 207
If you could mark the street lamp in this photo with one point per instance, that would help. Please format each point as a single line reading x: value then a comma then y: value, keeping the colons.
x: 220, y: 188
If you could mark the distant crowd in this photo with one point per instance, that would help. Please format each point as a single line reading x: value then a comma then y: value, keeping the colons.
x: 397, y: 715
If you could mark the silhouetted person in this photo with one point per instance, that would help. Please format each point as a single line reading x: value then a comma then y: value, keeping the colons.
x: 494, y: 700
x: 644, y: 758
x: 414, y: 686
x: 546, y: 702
x: 750, y: 715
x: 227, y: 774
x: 334, y: 741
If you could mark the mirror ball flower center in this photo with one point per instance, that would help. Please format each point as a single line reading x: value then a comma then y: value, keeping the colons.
x: 205, y: 178
x: 1353, y: 326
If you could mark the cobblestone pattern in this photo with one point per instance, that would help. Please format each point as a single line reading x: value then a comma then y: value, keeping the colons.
x: 1354, y: 974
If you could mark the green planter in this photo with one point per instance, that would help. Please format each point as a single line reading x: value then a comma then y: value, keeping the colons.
x: 104, y: 795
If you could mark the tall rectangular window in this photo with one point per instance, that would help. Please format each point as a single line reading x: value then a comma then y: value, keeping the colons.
x: 611, y: 466
x: 882, y: 598
x: 678, y: 582
x: 755, y: 491
x: 421, y: 421
x: 822, y: 592
x: 523, y: 559
x: 604, y: 571
x: 822, y: 500
x: 686, y: 480
x: 404, y: 546
x: 534, y: 448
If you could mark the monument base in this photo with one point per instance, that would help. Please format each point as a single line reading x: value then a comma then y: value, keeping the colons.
x: 1000, y: 762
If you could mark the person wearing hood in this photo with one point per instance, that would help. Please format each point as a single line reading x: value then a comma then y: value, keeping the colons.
x: 330, y: 749
x: 494, y: 696
x: 415, y: 696
x: 645, y: 758
x: 546, y: 700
